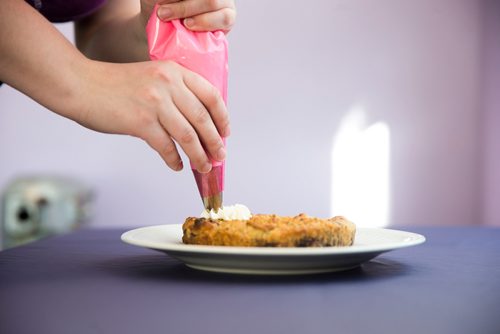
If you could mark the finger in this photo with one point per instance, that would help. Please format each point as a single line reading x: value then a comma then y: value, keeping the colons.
x: 164, y: 2
x: 219, y: 20
x: 211, y: 99
x: 199, y: 117
x: 189, y: 8
x: 184, y: 134
x: 161, y: 142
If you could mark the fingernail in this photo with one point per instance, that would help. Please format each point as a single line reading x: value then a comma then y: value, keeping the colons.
x: 221, y: 154
x: 227, y: 131
x: 164, y: 13
x: 206, y: 168
x: 188, y: 22
x: 180, y: 165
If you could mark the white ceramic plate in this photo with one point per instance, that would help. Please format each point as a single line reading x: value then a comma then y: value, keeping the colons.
x: 369, y: 242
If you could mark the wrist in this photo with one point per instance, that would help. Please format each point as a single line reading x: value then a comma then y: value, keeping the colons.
x: 82, y: 89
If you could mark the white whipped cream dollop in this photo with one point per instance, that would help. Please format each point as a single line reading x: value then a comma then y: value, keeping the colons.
x: 231, y: 212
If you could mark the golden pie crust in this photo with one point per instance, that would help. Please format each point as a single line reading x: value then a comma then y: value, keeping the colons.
x: 270, y: 231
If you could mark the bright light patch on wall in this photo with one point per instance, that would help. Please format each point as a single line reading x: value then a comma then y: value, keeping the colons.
x: 360, y: 170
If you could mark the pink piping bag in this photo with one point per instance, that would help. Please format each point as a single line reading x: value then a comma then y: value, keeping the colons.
x: 206, y: 54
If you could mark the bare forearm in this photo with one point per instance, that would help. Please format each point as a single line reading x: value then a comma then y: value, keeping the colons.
x: 116, y: 33
x: 35, y: 58
x: 158, y: 101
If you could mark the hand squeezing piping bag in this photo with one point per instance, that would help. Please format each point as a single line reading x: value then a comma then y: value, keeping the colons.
x: 206, y: 54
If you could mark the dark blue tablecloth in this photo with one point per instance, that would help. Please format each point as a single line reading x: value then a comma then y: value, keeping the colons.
x: 90, y: 282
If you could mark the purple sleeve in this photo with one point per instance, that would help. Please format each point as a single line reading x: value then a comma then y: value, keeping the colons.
x: 65, y: 10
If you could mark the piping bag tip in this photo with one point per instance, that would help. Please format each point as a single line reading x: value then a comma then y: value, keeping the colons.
x: 211, y: 187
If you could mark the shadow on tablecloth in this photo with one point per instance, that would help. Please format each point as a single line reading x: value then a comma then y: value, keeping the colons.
x: 164, y: 268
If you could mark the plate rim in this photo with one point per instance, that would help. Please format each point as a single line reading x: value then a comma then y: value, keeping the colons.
x: 413, y: 240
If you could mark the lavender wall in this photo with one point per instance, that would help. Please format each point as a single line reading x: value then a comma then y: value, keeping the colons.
x: 491, y: 72
x: 295, y: 74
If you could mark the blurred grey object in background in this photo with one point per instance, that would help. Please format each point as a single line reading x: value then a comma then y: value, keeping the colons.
x: 36, y: 207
